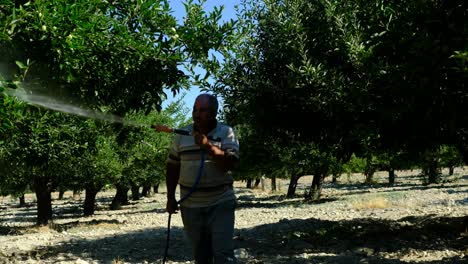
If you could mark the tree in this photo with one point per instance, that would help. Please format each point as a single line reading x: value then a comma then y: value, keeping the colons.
x: 271, y: 80
x: 116, y: 57
x: 450, y: 157
x: 97, y: 167
x: 38, y: 154
x: 387, y: 76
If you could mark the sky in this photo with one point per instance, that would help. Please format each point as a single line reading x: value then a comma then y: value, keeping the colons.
x: 179, y: 12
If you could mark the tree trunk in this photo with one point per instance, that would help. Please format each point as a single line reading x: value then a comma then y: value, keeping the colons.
x: 391, y: 176
x: 90, y: 200
x: 451, y: 170
x: 292, y: 186
x: 61, y: 193
x: 249, y: 184
x: 335, y: 177
x: 44, y: 201
x: 273, y: 183
x: 369, y: 176
x: 135, y: 192
x: 433, y: 173
x: 257, y: 182
x: 120, y: 198
x: 146, y: 190
x: 369, y: 170
x: 369, y: 173
x: 462, y: 146
x: 430, y: 166
x: 22, y: 201
x: 315, y: 190
x: 156, y: 188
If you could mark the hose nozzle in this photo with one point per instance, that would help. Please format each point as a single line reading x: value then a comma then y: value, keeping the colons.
x: 166, y: 129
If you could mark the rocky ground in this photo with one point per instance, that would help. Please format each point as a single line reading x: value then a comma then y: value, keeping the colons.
x: 353, y: 223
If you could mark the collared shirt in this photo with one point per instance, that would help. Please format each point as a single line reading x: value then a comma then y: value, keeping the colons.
x: 185, y: 152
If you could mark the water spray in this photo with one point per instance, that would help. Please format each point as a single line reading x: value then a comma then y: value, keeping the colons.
x: 57, y: 105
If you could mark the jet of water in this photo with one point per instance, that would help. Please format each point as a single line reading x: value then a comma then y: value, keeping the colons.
x: 57, y: 105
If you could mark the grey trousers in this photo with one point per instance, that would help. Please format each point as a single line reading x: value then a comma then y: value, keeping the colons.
x: 210, y: 231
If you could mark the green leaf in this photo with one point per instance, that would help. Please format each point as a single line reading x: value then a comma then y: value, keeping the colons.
x: 21, y: 65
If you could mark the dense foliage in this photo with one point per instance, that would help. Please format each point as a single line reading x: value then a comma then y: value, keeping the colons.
x: 113, y: 57
x: 373, y: 78
x: 313, y: 87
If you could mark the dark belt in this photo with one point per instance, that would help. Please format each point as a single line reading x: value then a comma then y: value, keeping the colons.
x: 208, y: 189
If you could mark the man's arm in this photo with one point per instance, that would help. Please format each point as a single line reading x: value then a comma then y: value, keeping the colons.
x: 222, y: 157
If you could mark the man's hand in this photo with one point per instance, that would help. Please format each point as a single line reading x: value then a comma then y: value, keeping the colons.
x: 201, y: 140
x: 172, y: 206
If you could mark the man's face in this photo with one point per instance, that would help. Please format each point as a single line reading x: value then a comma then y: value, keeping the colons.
x: 202, y: 114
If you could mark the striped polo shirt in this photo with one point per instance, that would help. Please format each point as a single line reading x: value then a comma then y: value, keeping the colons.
x: 215, y: 184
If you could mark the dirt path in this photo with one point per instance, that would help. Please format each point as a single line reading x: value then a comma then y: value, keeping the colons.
x: 354, y: 223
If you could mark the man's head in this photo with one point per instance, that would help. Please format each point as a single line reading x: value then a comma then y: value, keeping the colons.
x: 204, y: 112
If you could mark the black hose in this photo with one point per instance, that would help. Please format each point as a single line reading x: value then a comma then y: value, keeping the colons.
x: 192, y: 189
x: 167, y: 238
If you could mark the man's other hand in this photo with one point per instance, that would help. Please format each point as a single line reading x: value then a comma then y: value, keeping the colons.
x: 172, y: 206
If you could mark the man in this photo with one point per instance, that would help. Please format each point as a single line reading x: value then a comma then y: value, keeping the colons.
x: 208, y: 201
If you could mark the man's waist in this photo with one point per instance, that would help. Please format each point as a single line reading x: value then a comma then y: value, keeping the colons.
x: 224, y: 186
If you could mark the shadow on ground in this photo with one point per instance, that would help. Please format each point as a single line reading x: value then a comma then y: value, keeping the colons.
x: 356, y: 241
x: 288, y: 241
x: 134, y: 247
